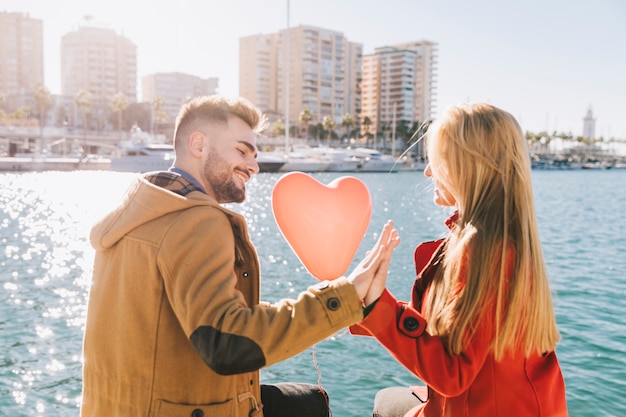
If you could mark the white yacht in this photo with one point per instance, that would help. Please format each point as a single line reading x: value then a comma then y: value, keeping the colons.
x: 374, y: 161
x: 303, y: 162
x: 143, y: 157
x: 141, y: 153
x: 270, y: 161
x: 338, y: 159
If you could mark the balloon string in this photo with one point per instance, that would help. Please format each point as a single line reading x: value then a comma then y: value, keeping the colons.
x: 319, y: 381
x: 319, y: 372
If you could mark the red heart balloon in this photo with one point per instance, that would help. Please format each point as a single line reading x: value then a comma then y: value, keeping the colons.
x: 323, y: 224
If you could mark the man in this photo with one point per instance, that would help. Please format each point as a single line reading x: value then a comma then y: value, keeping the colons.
x: 174, y: 324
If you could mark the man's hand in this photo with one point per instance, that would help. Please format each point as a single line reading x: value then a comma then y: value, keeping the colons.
x: 370, y: 275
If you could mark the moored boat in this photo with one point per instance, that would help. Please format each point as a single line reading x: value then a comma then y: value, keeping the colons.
x: 270, y: 161
x: 141, y: 153
x: 143, y: 157
x: 338, y: 159
x: 374, y: 161
x: 298, y: 161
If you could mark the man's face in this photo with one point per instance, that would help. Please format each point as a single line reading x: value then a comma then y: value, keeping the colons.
x: 230, y: 160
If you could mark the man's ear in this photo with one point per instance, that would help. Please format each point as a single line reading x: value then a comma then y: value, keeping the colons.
x: 197, y: 142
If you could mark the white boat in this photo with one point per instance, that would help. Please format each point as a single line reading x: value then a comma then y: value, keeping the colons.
x: 143, y: 157
x: 338, y: 159
x: 142, y: 154
x: 374, y: 161
x: 596, y: 164
x: 270, y: 161
x: 299, y: 161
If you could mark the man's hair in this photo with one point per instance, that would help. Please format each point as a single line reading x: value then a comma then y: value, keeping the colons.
x: 217, y: 109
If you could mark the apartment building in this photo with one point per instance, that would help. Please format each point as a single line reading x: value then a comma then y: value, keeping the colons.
x: 425, y: 78
x: 258, y: 75
x: 317, y: 69
x: 399, y: 84
x: 101, y: 62
x: 21, y: 57
x: 175, y: 89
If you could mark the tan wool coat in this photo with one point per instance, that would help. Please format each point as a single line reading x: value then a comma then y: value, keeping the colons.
x: 174, y: 324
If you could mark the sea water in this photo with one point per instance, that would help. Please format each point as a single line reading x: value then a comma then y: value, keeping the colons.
x: 46, y: 261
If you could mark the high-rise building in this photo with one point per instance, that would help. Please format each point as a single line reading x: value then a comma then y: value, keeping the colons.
x: 318, y: 69
x: 101, y: 62
x: 175, y: 88
x: 399, y: 85
x: 21, y: 57
x: 258, y: 76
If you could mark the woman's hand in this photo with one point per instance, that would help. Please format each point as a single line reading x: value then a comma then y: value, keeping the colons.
x: 370, y: 275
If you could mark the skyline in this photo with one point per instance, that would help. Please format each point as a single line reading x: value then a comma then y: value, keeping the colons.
x: 544, y: 63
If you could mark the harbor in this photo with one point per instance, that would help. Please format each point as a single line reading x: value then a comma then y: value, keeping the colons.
x: 22, y: 150
x: 138, y: 151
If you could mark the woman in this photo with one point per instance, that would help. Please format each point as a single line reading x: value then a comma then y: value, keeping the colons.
x: 480, y: 329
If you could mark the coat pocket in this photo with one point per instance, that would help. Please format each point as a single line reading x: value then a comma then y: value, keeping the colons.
x: 168, y: 409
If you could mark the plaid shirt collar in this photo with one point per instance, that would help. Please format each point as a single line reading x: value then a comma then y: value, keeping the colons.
x: 173, y: 181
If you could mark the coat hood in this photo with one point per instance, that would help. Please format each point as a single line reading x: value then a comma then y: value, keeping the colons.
x: 143, y: 202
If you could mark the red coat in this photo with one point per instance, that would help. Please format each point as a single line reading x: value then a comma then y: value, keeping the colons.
x: 472, y: 383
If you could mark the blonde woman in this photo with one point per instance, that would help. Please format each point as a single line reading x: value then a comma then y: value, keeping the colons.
x: 480, y: 329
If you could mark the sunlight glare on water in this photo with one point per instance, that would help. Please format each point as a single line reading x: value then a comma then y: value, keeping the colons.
x: 46, y: 262
x: 45, y: 225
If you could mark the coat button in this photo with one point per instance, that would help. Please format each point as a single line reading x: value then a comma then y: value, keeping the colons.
x: 333, y: 304
x: 322, y: 285
x: 197, y: 413
x: 411, y: 324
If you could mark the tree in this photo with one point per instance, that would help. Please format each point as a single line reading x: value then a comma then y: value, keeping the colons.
x: 158, y: 115
x: 305, y: 118
x: 22, y: 113
x: 367, y: 123
x: 329, y: 123
x: 278, y: 128
x: 347, y: 121
x: 402, y: 130
x: 84, y: 102
x: 119, y: 103
x: 317, y: 131
x: 43, y: 99
x: 140, y: 114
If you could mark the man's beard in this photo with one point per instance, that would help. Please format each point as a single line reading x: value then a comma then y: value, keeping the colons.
x: 219, y: 174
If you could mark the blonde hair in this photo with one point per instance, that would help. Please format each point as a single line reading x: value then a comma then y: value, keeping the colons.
x: 493, y: 265
x: 217, y: 109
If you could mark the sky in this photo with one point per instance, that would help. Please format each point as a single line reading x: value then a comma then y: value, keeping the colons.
x: 547, y: 62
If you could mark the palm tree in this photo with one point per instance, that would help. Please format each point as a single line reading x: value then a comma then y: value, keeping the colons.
x: 317, y: 130
x: 84, y: 102
x: 305, y: 118
x: 278, y: 128
x: 158, y: 115
x: 329, y: 123
x: 347, y: 121
x: 367, y: 123
x: 3, y: 115
x: 42, y: 99
x: 119, y: 103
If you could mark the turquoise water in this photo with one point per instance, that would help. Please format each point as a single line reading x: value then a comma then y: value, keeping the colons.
x: 45, y: 267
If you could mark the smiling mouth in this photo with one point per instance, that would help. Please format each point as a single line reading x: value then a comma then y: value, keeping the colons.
x: 244, y: 177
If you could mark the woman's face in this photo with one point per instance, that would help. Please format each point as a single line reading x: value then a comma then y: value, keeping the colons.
x: 442, y: 196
